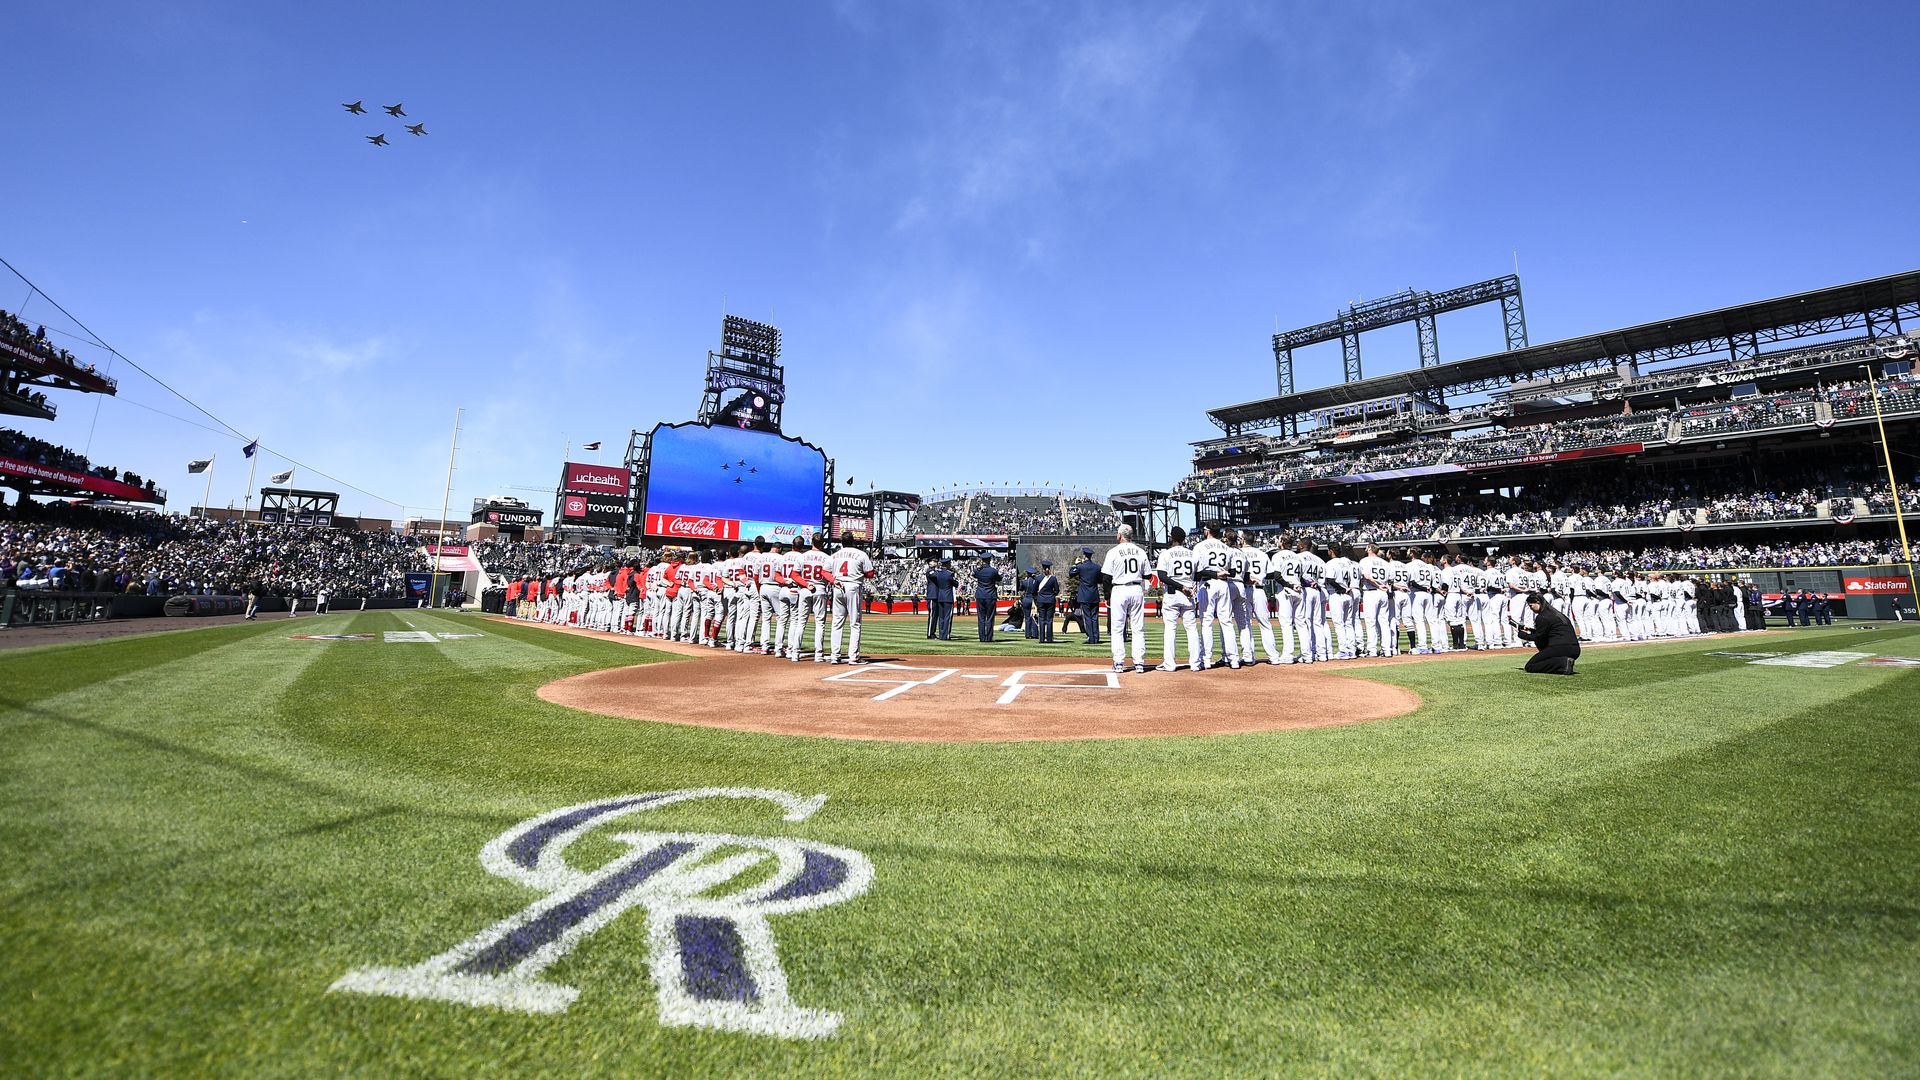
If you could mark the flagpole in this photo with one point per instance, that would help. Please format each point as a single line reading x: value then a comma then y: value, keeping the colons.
x: 253, y: 462
x: 447, y: 495
x: 207, y: 498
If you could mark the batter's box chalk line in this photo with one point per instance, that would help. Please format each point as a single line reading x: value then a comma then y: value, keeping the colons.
x: 900, y: 678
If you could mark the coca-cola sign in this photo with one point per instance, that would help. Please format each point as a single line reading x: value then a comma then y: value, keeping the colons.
x: 687, y: 527
x: 596, y: 479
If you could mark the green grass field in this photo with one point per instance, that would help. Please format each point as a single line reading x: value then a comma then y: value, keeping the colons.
x: 1673, y: 863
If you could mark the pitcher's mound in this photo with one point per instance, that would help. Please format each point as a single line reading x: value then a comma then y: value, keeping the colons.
x: 976, y: 698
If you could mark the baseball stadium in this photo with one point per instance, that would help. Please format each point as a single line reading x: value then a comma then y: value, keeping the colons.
x: 1519, y: 707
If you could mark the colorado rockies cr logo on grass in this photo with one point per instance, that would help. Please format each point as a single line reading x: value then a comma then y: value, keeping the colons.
x: 711, y: 952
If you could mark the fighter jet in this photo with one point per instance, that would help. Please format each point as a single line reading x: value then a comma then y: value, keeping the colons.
x: 395, y: 110
x: 353, y: 108
x: 417, y: 129
x: 378, y: 140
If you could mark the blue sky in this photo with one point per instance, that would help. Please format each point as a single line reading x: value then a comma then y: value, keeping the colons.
x: 1004, y: 241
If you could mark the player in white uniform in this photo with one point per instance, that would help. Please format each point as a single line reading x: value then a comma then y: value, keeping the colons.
x: 1178, y: 592
x: 1125, y: 568
x: 1429, y: 625
x: 850, y: 570
x: 1376, y: 604
x: 1463, y: 585
x: 1343, y: 600
x: 1283, y: 569
x: 1259, y: 610
x: 1310, y: 623
x: 1515, y: 580
x: 1215, y: 602
x: 1400, y: 574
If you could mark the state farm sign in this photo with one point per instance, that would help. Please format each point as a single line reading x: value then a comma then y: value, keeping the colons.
x: 693, y: 528
x: 1876, y: 586
x: 595, y: 479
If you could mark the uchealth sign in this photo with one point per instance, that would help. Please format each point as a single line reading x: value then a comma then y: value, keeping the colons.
x: 595, y: 479
x: 1876, y: 586
x: 592, y: 510
x: 686, y: 527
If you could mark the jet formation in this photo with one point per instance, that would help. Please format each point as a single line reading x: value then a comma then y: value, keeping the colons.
x: 396, y: 110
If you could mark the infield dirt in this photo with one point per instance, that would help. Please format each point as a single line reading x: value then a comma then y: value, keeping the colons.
x: 960, y: 698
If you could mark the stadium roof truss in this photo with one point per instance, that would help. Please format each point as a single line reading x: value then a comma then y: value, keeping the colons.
x: 1881, y: 307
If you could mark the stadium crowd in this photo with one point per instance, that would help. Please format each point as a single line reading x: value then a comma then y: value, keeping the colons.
x: 15, y: 332
x: 20, y: 446
x: 999, y: 514
x: 1259, y: 461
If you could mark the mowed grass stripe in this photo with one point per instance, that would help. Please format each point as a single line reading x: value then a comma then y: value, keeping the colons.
x: 1398, y: 897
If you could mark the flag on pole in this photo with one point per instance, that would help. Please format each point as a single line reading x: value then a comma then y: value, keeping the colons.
x: 589, y: 446
x: 282, y: 477
x: 199, y: 466
x: 249, y: 449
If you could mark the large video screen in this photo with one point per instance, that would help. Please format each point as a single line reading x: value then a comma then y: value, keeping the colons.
x: 726, y: 483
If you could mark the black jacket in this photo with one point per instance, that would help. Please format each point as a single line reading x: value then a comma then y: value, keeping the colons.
x: 1550, y: 629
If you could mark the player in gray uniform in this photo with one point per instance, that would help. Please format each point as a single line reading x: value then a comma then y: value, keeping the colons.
x: 851, y: 570
x: 1125, y: 572
x: 814, y: 564
x: 1178, y: 592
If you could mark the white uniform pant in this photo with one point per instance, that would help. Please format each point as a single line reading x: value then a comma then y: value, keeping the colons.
x: 1346, y: 621
x: 1310, y: 622
x: 1178, y: 608
x: 1375, y: 612
x: 1519, y: 612
x: 1287, y: 614
x: 1127, y: 616
x: 847, y: 597
x: 1429, y: 609
x: 1216, y: 606
x: 1260, y: 613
